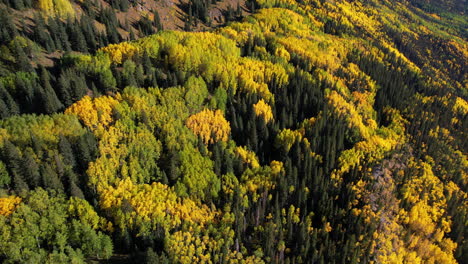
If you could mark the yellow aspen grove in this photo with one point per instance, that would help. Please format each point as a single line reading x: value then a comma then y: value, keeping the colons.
x: 9, y: 204
x: 61, y: 8
x: 210, y: 125
x: 119, y: 53
x: 156, y: 203
x: 264, y: 110
x: 248, y: 157
x: 95, y: 113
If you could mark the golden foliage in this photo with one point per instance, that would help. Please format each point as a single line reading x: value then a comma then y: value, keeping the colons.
x: 61, y: 8
x: 95, y: 113
x: 248, y: 157
x: 264, y: 110
x: 460, y: 106
x: 9, y: 204
x: 319, y: 51
x: 192, y: 246
x: 186, y: 248
x: 156, y: 203
x: 287, y: 138
x: 121, y: 52
x: 348, y: 111
x: 210, y: 125
x: 424, y: 224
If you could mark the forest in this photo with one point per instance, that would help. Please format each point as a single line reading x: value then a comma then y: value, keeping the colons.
x: 284, y: 131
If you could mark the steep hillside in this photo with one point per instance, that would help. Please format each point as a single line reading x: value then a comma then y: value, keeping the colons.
x: 286, y: 132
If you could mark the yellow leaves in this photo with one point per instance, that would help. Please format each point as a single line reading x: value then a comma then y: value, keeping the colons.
x: 156, y: 203
x: 9, y: 204
x: 186, y: 248
x: 61, y: 8
x: 316, y: 50
x: 372, y: 149
x: 426, y: 187
x: 194, y: 246
x: 210, y: 125
x: 229, y: 184
x: 277, y: 167
x: 287, y: 138
x: 121, y: 52
x: 264, y: 110
x: 104, y: 170
x: 420, y: 220
x: 254, y: 75
x: 424, y: 224
x: 460, y: 106
x: 257, y: 180
x: 95, y: 113
x: 46, y: 5
x: 282, y: 53
x: 294, y: 214
x: 240, y: 32
x: 348, y: 111
x: 248, y: 157
x: 282, y: 21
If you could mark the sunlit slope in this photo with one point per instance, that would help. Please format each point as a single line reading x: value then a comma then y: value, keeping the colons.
x: 329, y: 132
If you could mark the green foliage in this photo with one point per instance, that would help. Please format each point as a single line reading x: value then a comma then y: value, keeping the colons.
x: 44, y: 233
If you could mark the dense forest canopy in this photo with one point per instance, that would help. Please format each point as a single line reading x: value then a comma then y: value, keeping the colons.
x: 281, y: 131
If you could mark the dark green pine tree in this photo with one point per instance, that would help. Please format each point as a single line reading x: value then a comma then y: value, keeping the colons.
x: 152, y: 257
x: 40, y: 33
x: 66, y: 151
x: 63, y: 36
x: 49, y: 99
x: 11, y: 105
x: 85, y: 151
x: 26, y: 93
x: 17, y: 4
x: 30, y: 170
x: 238, y: 11
x: 8, y: 29
x: 73, y: 184
x: 19, y: 183
x: 229, y: 14
x: 22, y: 61
x: 188, y: 24
x: 50, y: 178
x: 12, y: 157
x: 157, y: 21
x: 139, y: 75
x: 79, y: 88
x: 64, y: 88
x: 147, y: 65
x: 5, y: 178
x: 89, y: 32
x: 4, y: 111
x: 217, y: 159
x: 77, y: 37
x: 132, y: 34
x: 153, y: 80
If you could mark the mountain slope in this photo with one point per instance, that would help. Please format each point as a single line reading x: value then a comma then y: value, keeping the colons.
x: 309, y: 131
